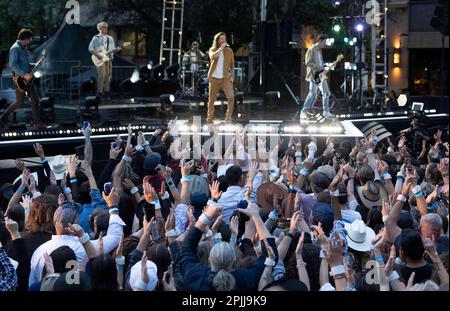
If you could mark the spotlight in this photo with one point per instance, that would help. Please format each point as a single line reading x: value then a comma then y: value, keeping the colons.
x: 166, y: 101
x: 89, y: 87
x: 336, y: 26
x: 47, y: 109
x: 150, y: 65
x: 329, y: 41
x: 37, y: 74
x: 359, y: 26
x: 402, y: 100
x: 172, y: 71
x: 135, y: 77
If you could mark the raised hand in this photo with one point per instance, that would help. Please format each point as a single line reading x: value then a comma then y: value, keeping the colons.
x: 337, y: 179
x: 334, y: 250
x: 252, y: 210
x: 295, y: 221
x: 25, y: 178
x: 166, y: 173
x: 234, y: 225
x: 26, y: 202
x: 379, y: 240
x: 20, y: 165
x: 299, y: 248
x: 113, y: 198
x: 430, y: 246
x: 214, y: 189
x: 162, y: 191
x: 386, y: 207
x: 170, y: 222
x: 75, y: 230
x: 86, y: 169
x: 52, y: 178
x: 168, y: 282
x: 150, y: 194
x: 39, y: 150
x: 32, y: 184
x: 119, y: 251
x: 12, y: 227
x: 127, y: 184
x: 114, y: 152
x: 72, y: 166
x: 186, y: 168
x: 213, y: 211
x: 270, y: 252
x: 130, y: 151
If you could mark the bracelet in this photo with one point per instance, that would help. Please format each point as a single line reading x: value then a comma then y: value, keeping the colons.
x: 172, y: 233
x: 304, y: 171
x: 84, y: 238
x: 233, y: 240
x: 186, y: 178
x: 334, y: 193
x: 120, y: 261
x: 209, y: 233
x: 400, y: 175
x: 393, y: 276
x: 273, y: 215
x: 21, y: 189
x: 205, y: 219
x: 126, y: 158
x: 134, y: 190
x: 218, y: 238
x: 73, y: 180
x: 386, y: 175
x: 419, y: 195
x: 113, y: 210
x: 401, y: 197
x: 157, y: 204
x: 301, y: 264
x: 67, y: 190
x: 337, y: 270
x: 139, y: 284
x: 379, y: 259
x: 269, y: 262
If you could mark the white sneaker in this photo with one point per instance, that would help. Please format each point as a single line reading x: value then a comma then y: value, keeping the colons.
x: 327, y: 114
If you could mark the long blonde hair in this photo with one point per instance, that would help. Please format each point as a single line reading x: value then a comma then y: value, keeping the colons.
x: 215, y: 43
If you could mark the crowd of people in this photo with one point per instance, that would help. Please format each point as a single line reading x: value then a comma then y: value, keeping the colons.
x: 356, y: 216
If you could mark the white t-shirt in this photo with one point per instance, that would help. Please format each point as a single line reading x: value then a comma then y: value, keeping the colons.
x: 218, y: 72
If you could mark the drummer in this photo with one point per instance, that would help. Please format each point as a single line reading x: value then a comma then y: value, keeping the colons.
x: 194, y: 57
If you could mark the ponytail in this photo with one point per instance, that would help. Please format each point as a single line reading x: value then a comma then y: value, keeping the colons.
x: 224, y: 281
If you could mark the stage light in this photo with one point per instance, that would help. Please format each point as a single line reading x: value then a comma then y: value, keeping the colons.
x: 47, y: 109
x: 329, y: 41
x: 172, y: 71
x: 166, y: 101
x: 336, y: 3
x: 89, y: 87
x: 37, y: 74
x: 336, y: 26
x: 345, y: 40
x: 135, y: 77
x: 150, y: 65
x: 359, y: 26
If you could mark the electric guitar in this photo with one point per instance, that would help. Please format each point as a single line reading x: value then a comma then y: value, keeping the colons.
x: 106, y: 55
x: 24, y: 84
x: 319, y: 76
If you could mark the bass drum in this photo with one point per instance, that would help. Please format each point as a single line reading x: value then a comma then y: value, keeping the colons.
x: 203, y: 85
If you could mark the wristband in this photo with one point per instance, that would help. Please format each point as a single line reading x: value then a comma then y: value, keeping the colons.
x: 393, y: 276
x: 269, y: 262
x: 169, y: 181
x: 401, y: 197
x: 334, y: 193
x: 67, y: 190
x: 337, y: 270
x: 186, y: 178
x: 385, y: 218
x: 292, y: 188
x: 157, y: 204
x: 209, y: 233
x: 218, y: 238
x: 139, y: 284
x: 205, y: 219
x: 419, y: 195
x: 369, y: 151
x: 113, y: 210
x: 298, y: 154
x: 387, y: 176
x: 233, y: 240
x: 134, y: 190
x: 21, y: 189
x: 304, y: 171
x: 172, y: 233
x: 84, y: 238
x: 258, y: 248
x: 273, y: 215
x: 379, y: 259
x: 416, y: 189
x: 147, y: 148
x: 73, y: 180
x: 351, y: 288
x: 119, y: 267
x: 120, y: 261
x: 139, y: 148
x: 126, y: 158
x: 390, y: 150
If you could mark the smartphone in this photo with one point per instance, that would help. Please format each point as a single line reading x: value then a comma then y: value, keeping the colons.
x: 114, y: 145
x: 85, y: 124
x: 154, y: 231
x: 149, y: 212
x: 107, y: 187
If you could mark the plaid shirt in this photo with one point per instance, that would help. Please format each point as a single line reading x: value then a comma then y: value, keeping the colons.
x: 8, y: 278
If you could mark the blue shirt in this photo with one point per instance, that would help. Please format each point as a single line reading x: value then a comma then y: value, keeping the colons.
x: 18, y: 59
x: 96, y: 201
x: 102, y: 43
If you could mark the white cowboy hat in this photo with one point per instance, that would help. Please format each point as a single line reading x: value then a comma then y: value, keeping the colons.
x: 359, y: 236
x: 59, y: 166
x: 135, y: 275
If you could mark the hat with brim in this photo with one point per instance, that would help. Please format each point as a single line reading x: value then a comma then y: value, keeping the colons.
x: 135, y: 275
x: 359, y: 236
x: 59, y: 166
x: 288, y: 205
x: 371, y: 194
x: 265, y: 193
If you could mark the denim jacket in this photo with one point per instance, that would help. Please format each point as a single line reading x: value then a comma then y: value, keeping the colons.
x: 18, y: 59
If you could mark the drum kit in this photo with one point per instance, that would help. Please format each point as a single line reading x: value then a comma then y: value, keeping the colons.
x: 194, y: 75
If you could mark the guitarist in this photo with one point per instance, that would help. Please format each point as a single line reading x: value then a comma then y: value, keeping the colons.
x: 103, y: 42
x: 314, y: 63
x: 19, y: 64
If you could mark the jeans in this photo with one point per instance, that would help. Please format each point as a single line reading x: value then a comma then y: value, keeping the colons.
x: 312, y: 95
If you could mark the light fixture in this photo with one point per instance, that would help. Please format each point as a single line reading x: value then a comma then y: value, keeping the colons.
x: 166, y: 101
x: 359, y: 26
x: 402, y: 100
x: 135, y: 77
x: 336, y: 26
x: 396, y: 58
